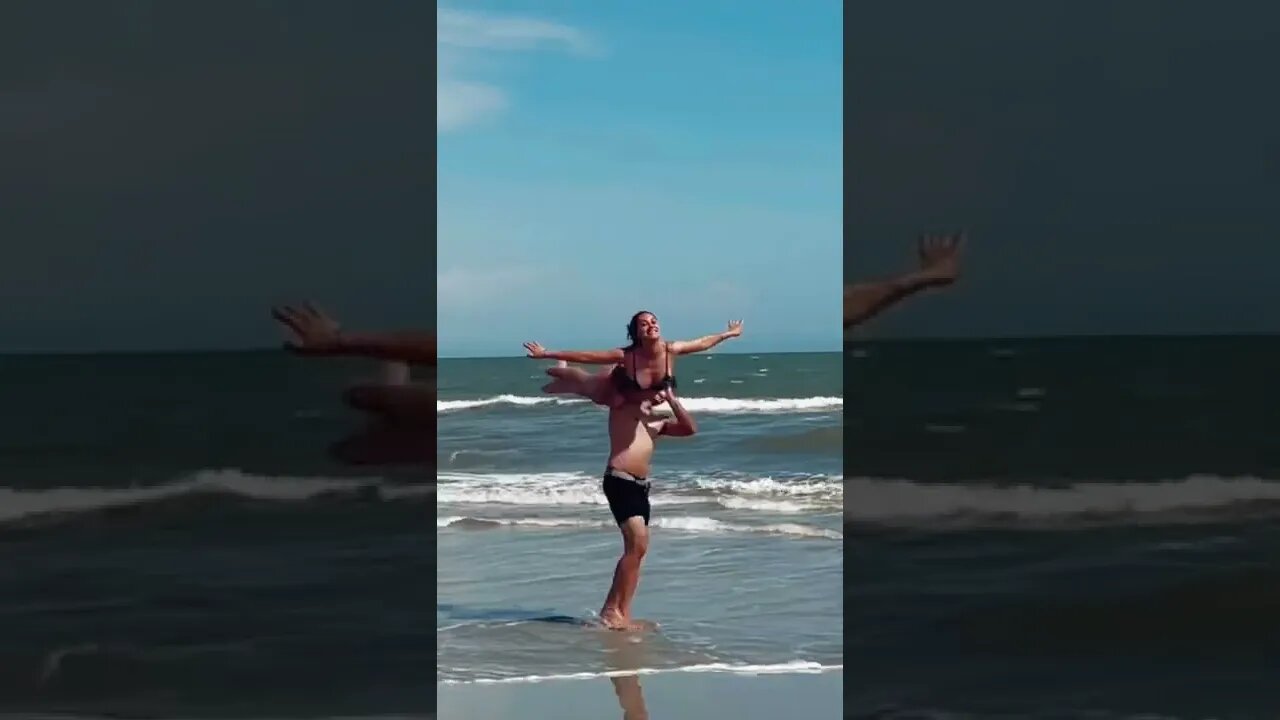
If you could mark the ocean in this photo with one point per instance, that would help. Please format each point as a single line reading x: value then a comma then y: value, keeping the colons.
x: 175, y: 542
x: 1035, y: 529
x: 1063, y: 529
x: 746, y: 557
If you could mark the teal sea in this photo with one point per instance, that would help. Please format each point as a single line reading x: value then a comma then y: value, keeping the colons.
x: 1081, y: 528
x: 1045, y: 529
x: 743, y: 574
x: 175, y: 541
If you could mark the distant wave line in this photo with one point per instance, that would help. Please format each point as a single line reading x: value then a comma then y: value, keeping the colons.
x: 781, y: 494
x: 20, y: 504
x: 794, y: 667
x: 695, y: 525
x: 817, y: 403
x: 1194, y: 499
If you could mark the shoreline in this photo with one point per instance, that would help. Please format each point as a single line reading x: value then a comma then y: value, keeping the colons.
x: 669, y: 695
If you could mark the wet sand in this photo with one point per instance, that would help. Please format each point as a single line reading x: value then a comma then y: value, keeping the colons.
x: 673, y: 696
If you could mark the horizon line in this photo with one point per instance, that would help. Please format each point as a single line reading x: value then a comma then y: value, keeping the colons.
x: 705, y: 352
x: 871, y: 338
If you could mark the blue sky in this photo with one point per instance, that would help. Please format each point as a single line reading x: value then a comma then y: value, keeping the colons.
x: 600, y: 158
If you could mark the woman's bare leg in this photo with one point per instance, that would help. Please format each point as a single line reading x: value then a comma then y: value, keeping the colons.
x: 395, y: 373
x: 576, y: 381
x: 404, y: 420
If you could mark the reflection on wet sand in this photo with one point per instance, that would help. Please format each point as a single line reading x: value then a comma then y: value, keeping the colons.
x: 626, y: 653
x: 630, y: 697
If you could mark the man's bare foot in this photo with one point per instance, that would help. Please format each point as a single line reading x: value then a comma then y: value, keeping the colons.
x: 613, y: 620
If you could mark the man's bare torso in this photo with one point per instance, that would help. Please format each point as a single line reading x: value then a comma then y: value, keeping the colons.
x: 632, y: 433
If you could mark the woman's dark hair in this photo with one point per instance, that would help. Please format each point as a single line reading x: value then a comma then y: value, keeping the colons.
x: 632, y: 325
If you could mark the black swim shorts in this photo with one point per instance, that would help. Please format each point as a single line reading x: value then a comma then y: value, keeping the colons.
x: 627, y: 494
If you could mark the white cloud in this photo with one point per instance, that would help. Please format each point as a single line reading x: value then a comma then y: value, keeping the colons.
x: 715, y: 297
x: 460, y: 103
x: 465, y: 29
x: 458, y: 288
x: 726, y: 295
x: 463, y: 36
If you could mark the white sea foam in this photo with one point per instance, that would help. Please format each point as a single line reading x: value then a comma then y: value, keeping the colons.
x: 519, y: 400
x: 566, y: 489
x: 718, y: 405
x: 16, y: 504
x: 813, y: 488
x: 551, y: 489
x: 765, y: 505
x: 692, y: 525
x: 711, y: 525
x: 787, y: 668
x: 1192, y: 499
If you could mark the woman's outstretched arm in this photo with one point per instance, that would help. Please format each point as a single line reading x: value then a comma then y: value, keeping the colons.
x: 315, y: 333
x: 584, y: 357
x: 939, y: 266
x: 706, y: 342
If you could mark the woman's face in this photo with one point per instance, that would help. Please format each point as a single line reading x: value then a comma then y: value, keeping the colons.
x: 647, y: 327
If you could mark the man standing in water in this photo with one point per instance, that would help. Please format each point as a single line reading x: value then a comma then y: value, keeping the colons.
x: 633, y: 432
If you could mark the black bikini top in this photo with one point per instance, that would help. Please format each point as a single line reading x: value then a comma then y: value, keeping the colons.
x: 628, y: 383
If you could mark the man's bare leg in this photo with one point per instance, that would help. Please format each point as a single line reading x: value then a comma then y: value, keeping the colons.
x: 616, y: 612
x: 939, y: 266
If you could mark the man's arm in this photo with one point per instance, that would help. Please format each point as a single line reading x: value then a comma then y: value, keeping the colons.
x: 315, y: 333
x: 939, y: 266
x: 706, y: 342
x: 582, y: 357
x: 682, y: 424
